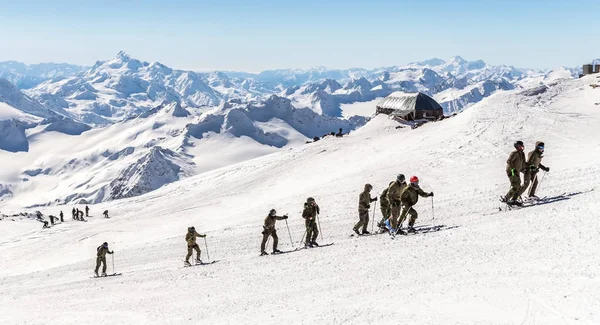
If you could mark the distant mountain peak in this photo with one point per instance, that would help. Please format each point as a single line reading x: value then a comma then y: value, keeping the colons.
x: 457, y: 59
x: 123, y: 56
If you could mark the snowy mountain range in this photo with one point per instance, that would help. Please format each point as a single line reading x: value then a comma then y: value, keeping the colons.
x: 124, y: 127
x: 27, y: 76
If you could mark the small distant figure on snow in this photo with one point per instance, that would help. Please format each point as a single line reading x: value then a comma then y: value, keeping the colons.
x: 515, y: 165
x: 87, y: 211
x: 105, y: 213
x: 364, y: 204
x: 339, y: 134
x: 410, y: 197
x: 394, y: 194
x: 52, y: 219
x: 534, y: 164
x: 270, y: 231
x: 310, y: 212
x: 62, y: 217
x: 80, y: 213
x: 74, y: 214
x: 102, y: 250
x: 190, y: 238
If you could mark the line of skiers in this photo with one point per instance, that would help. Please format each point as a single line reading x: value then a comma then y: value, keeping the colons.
x: 397, y: 201
x: 517, y: 164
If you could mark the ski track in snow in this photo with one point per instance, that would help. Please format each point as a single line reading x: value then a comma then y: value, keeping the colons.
x: 536, y: 265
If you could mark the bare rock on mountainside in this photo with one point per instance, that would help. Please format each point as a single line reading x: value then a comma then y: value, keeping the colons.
x: 242, y: 120
x: 64, y: 125
x: 5, y: 191
x: 155, y: 169
x: 172, y: 108
x: 12, y: 135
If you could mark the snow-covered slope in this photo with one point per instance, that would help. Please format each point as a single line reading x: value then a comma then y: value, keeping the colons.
x: 534, y: 265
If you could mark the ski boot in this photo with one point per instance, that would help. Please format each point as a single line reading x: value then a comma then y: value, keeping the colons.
x: 104, y: 274
x: 411, y: 230
x: 263, y: 253
x: 276, y: 251
x: 366, y: 233
x: 356, y: 232
x: 96, y: 273
x: 308, y: 245
x: 387, y: 225
x: 515, y: 202
x: 314, y: 243
x: 187, y: 263
x: 401, y: 232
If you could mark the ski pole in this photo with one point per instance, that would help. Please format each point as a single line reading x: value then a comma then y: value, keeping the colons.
x: 289, y: 233
x: 373, y: 221
x: 113, y: 261
x: 206, y: 245
x: 300, y: 243
x: 319, y: 223
x: 540, y: 183
x: 432, y: 211
x: 400, y: 224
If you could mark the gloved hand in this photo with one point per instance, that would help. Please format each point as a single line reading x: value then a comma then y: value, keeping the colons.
x: 203, y: 236
x: 375, y: 199
x: 368, y: 206
x: 431, y: 194
x: 285, y: 216
x: 546, y: 169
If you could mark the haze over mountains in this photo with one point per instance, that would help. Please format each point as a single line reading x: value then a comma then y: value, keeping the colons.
x: 124, y: 127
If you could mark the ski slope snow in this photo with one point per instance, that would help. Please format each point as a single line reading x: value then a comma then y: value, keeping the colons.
x: 536, y: 265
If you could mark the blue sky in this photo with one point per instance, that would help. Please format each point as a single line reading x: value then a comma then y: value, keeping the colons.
x: 258, y: 35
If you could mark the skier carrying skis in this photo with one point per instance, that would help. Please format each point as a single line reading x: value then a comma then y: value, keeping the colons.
x: 393, y: 196
x: 102, y: 250
x: 534, y: 164
x: 311, y: 209
x: 190, y: 238
x: 364, y: 204
x: 515, y: 164
x: 269, y: 230
x: 410, y: 197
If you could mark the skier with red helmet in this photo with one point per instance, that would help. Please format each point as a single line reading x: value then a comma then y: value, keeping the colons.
x: 410, y: 197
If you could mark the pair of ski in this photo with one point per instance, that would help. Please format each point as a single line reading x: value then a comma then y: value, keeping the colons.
x: 299, y: 248
x: 199, y: 264
x: 106, y: 276
x: 526, y: 203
